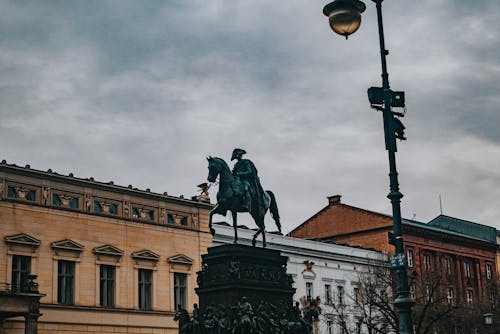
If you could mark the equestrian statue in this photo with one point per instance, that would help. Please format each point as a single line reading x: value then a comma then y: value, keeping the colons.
x: 240, y: 191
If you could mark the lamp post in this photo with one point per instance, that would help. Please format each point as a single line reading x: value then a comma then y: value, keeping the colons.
x: 345, y: 18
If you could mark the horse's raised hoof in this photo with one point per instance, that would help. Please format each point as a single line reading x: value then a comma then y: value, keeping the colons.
x: 212, y: 231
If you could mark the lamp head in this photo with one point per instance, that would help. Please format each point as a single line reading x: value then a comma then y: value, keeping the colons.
x: 344, y: 15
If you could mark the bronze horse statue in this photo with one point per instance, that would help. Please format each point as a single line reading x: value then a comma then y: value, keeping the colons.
x: 228, y: 200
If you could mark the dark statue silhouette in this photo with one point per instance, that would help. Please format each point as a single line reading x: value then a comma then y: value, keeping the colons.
x: 241, y: 191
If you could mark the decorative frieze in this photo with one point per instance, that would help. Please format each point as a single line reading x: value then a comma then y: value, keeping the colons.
x: 69, y: 196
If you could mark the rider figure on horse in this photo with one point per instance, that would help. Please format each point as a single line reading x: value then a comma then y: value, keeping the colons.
x: 247, y: 184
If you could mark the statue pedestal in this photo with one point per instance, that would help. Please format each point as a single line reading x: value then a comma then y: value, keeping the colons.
x: 233, y: 271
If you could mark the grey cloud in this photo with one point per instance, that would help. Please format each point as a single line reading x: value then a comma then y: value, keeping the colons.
x: 141, y: 92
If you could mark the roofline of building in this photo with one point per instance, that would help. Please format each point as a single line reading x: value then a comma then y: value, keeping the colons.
x: 445, y: 232
x: 345, y: 205
x: 376, y: 229
x: 463, y: 220
x: 312, y: 241
x: 90, y: 183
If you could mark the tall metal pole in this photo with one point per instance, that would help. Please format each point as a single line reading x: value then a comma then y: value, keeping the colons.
x: 403, y: 302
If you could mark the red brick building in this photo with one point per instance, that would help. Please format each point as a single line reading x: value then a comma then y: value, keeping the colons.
x: 453, y: 259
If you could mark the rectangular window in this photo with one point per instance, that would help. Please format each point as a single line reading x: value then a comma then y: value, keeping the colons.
x: 145, y: 289
x: 447, y: 265
x: 412, y: 291
x: 21, y: 267
x: 467, y: 269
x: 488, y: 271
x: 409, y: 256
x: 180, y: 290
x: 449, y: 296
x: 65, y: 282
x: 340, y: 294
x: 328, y: 293
x: 470, y: 298
x: 357, y: 295
x: 107, y: 285
x: 309, y: 290
x: 428, y: 292
x: 427, y: 262
x: 329, y: 326
x: 492, y: 297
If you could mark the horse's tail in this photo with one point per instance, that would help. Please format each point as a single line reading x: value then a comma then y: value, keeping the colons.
x: 273, y: 208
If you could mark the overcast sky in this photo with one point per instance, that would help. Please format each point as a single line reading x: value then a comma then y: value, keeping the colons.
x: 140, y: 92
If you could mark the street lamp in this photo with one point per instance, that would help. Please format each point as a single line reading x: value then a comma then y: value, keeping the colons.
x: 345, y: 18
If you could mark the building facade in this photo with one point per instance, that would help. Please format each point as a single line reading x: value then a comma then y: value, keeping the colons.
x: 322, y: 271
x: 451, y: 262
x: 108, y: 259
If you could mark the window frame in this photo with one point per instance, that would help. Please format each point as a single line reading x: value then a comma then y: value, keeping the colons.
x: 409, y: 258
x: 427, y: 262
x: 107, y: 285
x: 328, y: 294
x: 21, y: 273
x: 145, y: 288
x: 467, y: 269
x: 489, y: 271
x: 450, y: 296
x: 66, y: 282
x: 470, y: 297
x: 309, y: 290
x: 340, y: 295
x: 180, y: 289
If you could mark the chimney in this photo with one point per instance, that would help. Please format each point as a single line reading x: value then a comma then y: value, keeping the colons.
x: 335, y: 199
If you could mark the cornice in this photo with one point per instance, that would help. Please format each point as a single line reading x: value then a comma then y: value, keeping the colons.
x: 91, y: 183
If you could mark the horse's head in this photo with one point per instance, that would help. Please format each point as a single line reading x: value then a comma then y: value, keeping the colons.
x: 214, y: 168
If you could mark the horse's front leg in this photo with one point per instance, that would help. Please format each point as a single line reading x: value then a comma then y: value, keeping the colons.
x: 254, y: 239
x: 235, y: 226
x: 213, y: 212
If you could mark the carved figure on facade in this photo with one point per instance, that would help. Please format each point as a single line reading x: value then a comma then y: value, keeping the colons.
x: 163, y: 216
x: 126, y: 209
x: 195, y: 221
x: 204, y: 196
x: 45, y: 196
x: 65, y: 200
x: 240, y: 191
x: 88, y: 202
x: 105, y: 207
x: 21, y: 192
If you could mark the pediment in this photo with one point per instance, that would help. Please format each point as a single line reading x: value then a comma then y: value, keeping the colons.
x: 145, y: 255
x: 22, y: 238
x: 67, y: 244
x: 180, y: 259
x: 108, y: 250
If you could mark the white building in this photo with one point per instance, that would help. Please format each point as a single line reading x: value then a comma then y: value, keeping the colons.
x: 331, y: 272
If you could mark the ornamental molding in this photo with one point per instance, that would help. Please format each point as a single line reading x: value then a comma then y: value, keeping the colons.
x: 67, y: 244
x: 108, y: 250
x: 180, y: 259
x: 23, y: 239
x: 145, y: 255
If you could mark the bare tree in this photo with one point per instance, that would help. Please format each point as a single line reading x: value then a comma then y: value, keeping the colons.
x: 369, y: 306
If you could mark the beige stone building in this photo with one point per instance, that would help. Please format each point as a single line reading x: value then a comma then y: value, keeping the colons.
x: 109, y: 259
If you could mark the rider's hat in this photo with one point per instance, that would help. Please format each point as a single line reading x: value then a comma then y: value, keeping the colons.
x: 237, y: 152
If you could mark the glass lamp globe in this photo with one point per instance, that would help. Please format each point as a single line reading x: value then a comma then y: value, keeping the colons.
x: 344, y: 16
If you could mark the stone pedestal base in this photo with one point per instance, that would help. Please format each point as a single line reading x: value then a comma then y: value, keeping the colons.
x: 231, y: 272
